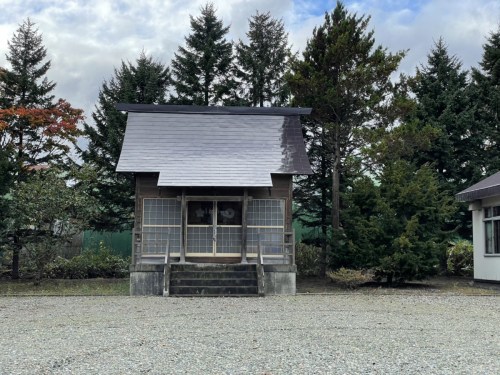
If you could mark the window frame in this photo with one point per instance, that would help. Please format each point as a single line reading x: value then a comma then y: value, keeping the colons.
x: 491, y: 219
x: 273, y: 230
x: 145, y: 226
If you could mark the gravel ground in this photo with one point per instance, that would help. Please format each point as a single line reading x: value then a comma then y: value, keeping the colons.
x: 317, y: 334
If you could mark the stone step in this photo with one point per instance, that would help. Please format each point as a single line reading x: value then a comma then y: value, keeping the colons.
x: 213, y: 282
x: 214, y: 267
x: 212, y: 275
x: 214, y: 290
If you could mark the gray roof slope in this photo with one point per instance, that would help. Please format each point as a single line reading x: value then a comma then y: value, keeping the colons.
x: 488, y: 187
x: 213, y: 149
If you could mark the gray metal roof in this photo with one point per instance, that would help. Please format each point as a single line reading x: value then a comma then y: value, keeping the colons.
x: 488, y: 187
x: 213, y: 149
x: 168, y: 108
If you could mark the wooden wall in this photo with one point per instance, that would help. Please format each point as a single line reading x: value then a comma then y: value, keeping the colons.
x: 146, y: 187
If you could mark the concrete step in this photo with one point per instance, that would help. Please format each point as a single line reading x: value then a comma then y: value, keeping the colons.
x: 212, y: 275
x: 214, y: 290
x: 213, y: 267
x: 214, y: 282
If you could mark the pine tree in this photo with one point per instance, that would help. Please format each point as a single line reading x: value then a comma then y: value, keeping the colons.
x: 445, y: 103
x: 486, y: 97
x: 408, y: 224
x: 33, y: 129
x: 312, y: 194
x: 441, y: 91
x: 146, y: 82
x: 346, y: 80
x: 25, y: 83
x: 263, y: 62
x: 201, y: 70
x: 6, y: 170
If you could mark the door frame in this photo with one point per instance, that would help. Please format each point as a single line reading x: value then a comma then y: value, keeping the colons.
x: 214, y: 200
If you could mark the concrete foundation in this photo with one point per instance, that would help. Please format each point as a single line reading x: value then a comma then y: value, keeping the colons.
x: 280, y: 279
x: 146, y: 280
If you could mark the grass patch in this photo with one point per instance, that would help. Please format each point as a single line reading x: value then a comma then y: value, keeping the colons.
x: 66, y: 287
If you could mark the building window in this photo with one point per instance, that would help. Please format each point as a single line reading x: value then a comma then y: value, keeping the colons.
x: 267, y: 218
x: 214, y: 228
x: 492, y: 229
x: 161, y: 222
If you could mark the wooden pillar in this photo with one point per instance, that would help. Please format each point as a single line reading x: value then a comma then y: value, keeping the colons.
x: 244, y: 227
x: 183, y: 226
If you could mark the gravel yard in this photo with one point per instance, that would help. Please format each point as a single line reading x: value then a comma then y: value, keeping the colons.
x: 348, y: 333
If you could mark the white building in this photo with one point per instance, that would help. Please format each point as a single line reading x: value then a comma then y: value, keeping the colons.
x: 484, y: 198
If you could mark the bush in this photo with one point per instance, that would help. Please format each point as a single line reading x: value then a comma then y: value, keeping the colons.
x: 90, y: 264
x: 400, y: 267
x: 349, y: 278
x: 307, y: 259
x: 460, y: 258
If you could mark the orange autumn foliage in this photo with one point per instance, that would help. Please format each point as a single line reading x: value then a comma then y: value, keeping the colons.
x: 40, y: 134
x: 61, y: 119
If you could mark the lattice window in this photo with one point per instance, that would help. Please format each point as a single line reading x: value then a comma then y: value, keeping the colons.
x: 229, y: 240
x: 200, y: 239
x: 266, y: 216
x: 161, y: 221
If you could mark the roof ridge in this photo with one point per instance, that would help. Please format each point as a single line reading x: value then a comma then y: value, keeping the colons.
x: 219, y: 110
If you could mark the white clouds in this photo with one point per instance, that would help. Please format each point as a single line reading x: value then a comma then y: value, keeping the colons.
x: 87, y: 39
x: 463, y: 24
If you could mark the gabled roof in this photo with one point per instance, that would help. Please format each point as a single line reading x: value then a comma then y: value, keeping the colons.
x: 488, y: 187
x: 213, y: 146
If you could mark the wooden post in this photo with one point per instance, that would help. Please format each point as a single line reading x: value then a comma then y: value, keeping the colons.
x: 134, y: 260
x: 244, y: 227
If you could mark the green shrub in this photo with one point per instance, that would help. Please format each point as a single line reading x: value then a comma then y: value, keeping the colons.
x: 307, y: 259
x: 89, y: 264
x: 406, y: 266
x: 349, y: 278
x: 460, y: 258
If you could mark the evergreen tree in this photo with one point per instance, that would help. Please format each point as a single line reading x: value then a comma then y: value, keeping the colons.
x: 443, y: 102
x: 486, y: 97
x: 24, y: 86
x: 25, y: 83
x: 262, y: 62
x: 394, y: 224
x: 33, y: 129
x: 201, y: 70
x: 6, y: 169
x: 313, y: 193
x: 346, y: 80
x: 410, y: 218
x: 146, y: 82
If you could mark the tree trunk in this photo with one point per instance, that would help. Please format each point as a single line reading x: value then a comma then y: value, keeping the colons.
x: 324, y: 224
x: 17, y: 245
x: 206, y: 89
x: 335, y: 181
x: 15, y: 258
x: 38, y: 277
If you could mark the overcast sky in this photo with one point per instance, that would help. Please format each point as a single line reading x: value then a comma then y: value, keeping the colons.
x: 86, y: 39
